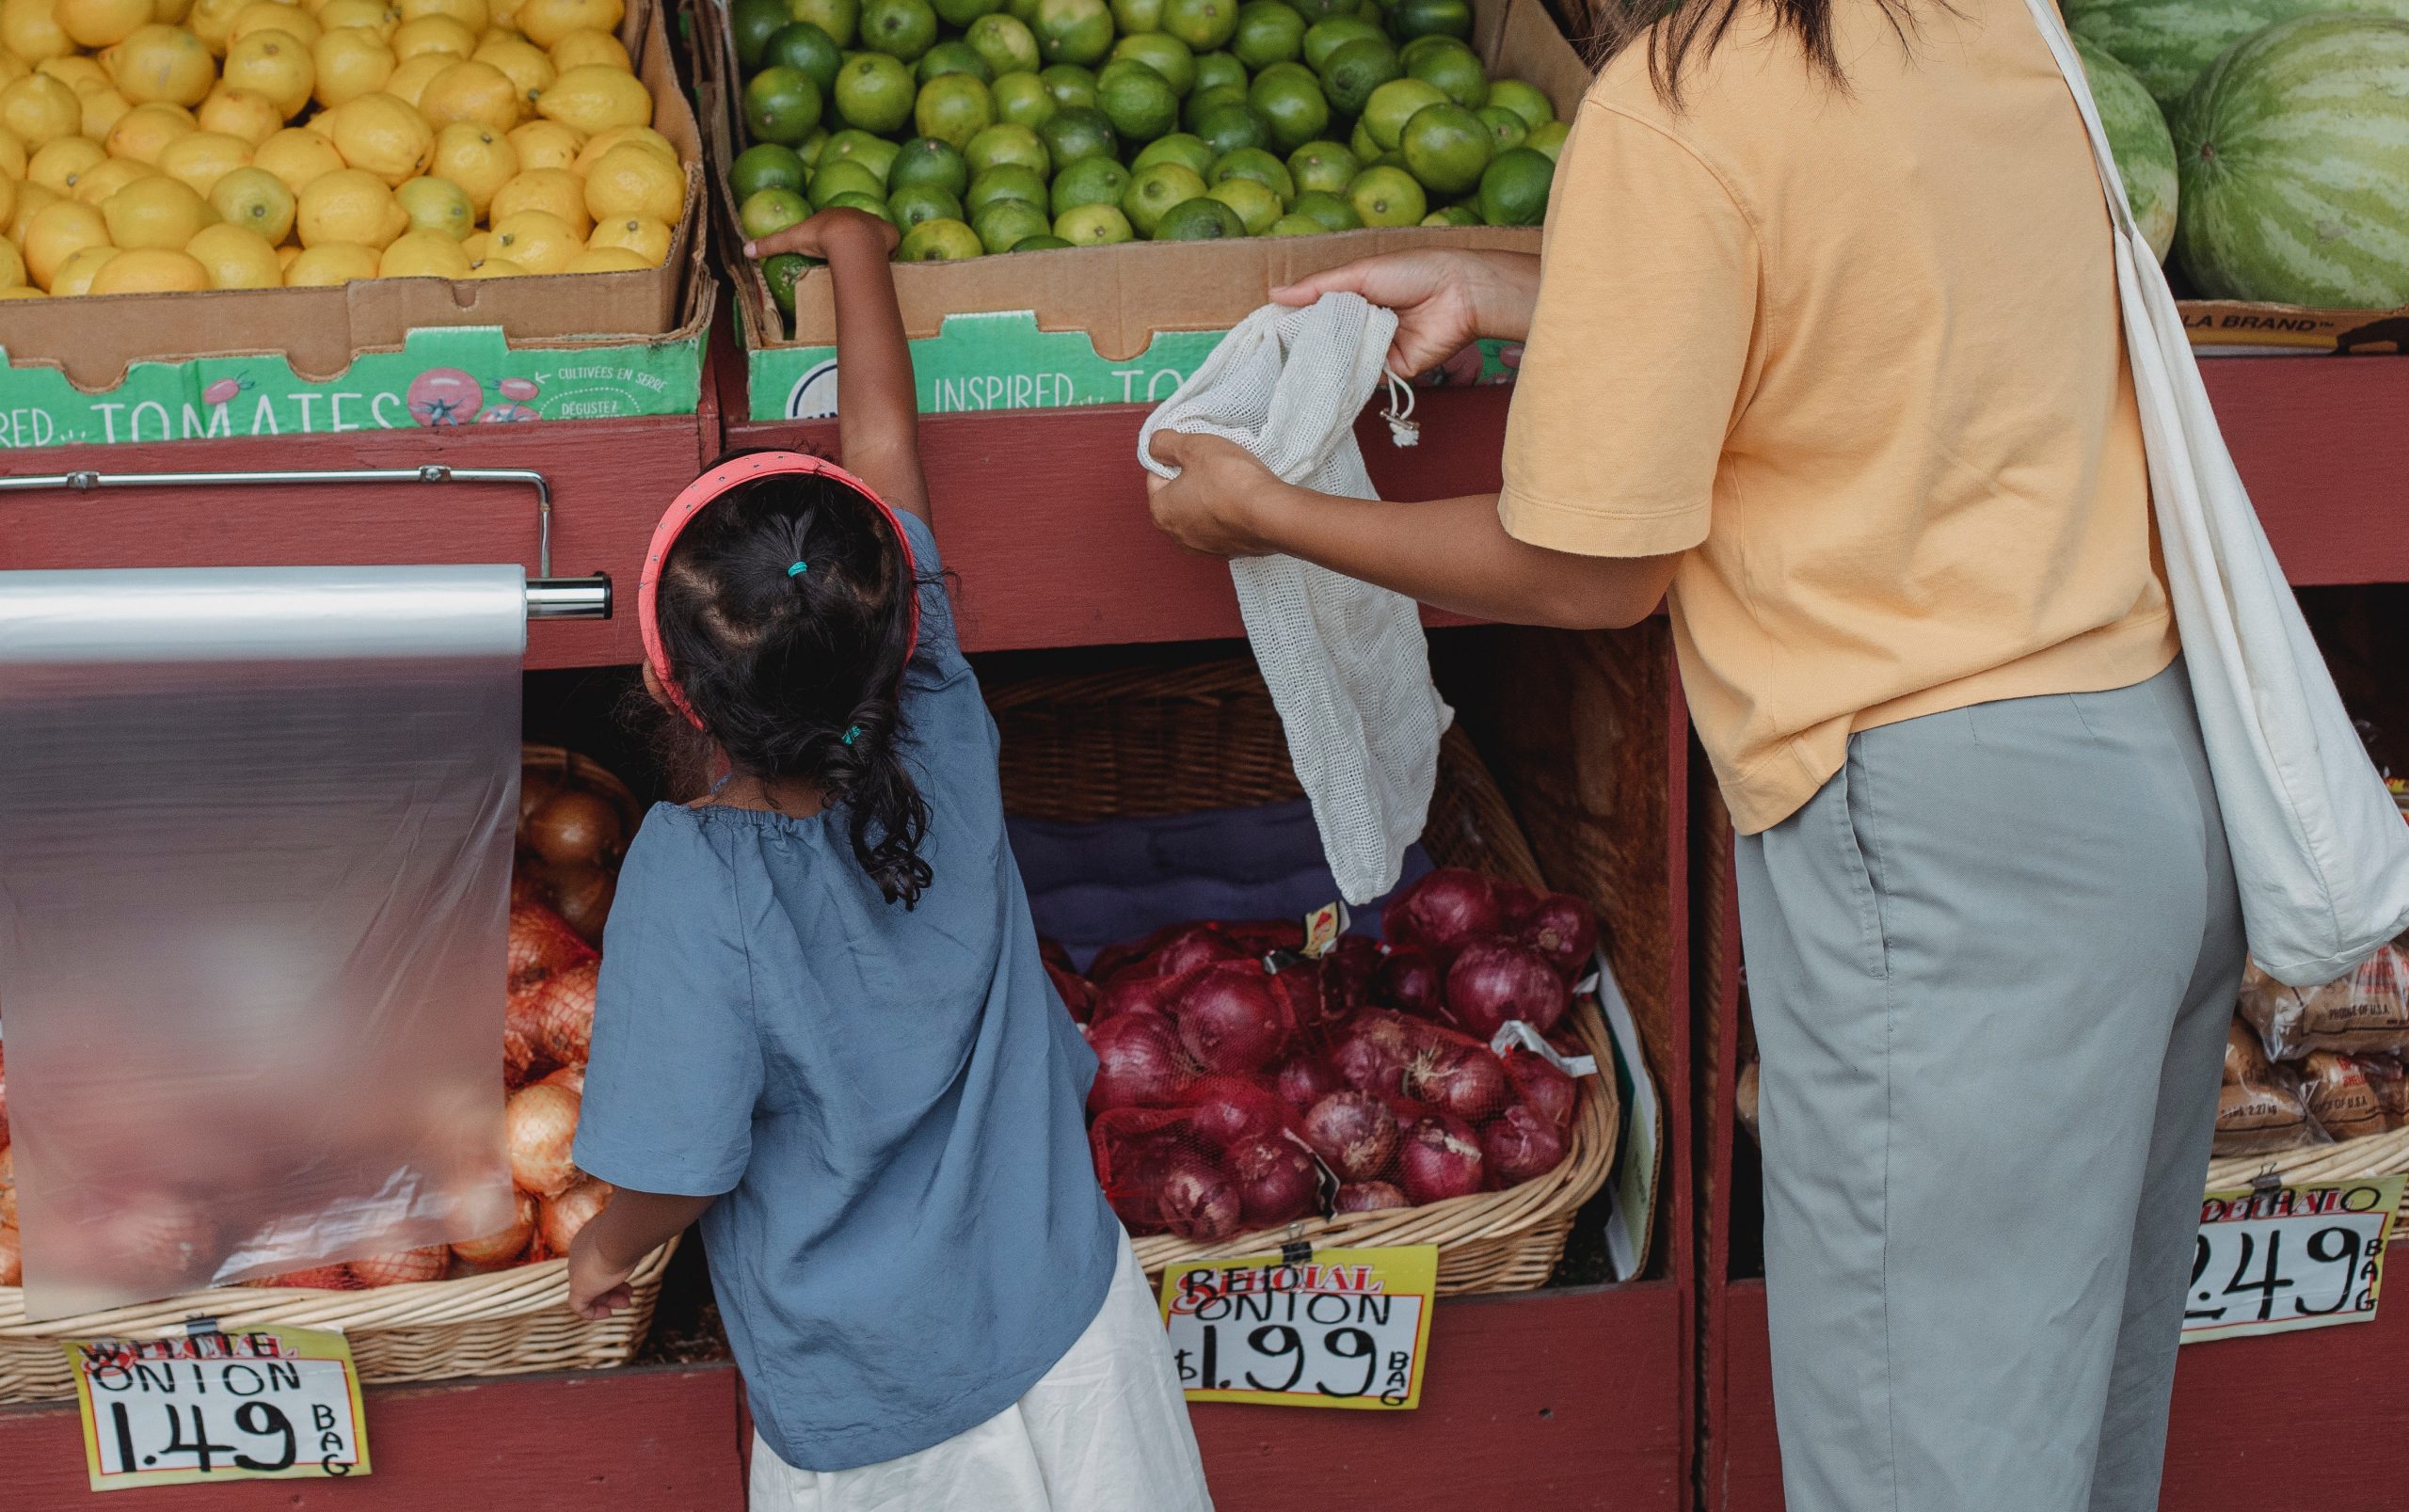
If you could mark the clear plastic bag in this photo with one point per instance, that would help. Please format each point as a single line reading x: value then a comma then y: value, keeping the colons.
x: 255, y: 848
x: 2261, y: 1109
x: 2364, y: 1013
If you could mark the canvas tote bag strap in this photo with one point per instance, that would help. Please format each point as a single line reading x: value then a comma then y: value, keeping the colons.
x: 2053, y: 32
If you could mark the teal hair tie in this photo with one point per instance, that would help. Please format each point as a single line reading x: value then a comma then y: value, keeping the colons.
x: 798, y: 569
x: 853, y: 734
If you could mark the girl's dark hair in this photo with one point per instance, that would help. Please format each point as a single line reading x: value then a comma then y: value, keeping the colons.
x: 1682, y: 32
x: 796, y: 674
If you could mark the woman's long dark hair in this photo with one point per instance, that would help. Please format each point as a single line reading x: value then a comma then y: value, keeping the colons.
x: 796, y: 674
x: 1682, y: 33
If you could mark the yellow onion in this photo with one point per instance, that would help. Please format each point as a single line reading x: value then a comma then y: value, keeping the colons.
x: 541, y: 944
x: 517, y: 1050
x: 8, y: 1186
x: 539, y: 1125
x: 403, y: 1266
x: 537, y: 786
x: 317, y: 1278
x: 583, y: 894
x: 507, y: 1248
x: 572, y: 1210
x: 13, y: 1263
x: 564, y: 1010
x: 572, y: 1078
x: 574, y: 827
x: 526, y: 892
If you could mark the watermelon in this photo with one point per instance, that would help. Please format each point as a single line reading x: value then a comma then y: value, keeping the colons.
x: 2168, y: 42
x: 2137, y: 135
x: 2294, y: 150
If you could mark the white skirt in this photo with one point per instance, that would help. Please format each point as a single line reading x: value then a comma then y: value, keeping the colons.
x: 1106, y: 1431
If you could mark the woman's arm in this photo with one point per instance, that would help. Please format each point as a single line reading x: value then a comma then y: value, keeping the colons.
x: 608, y: 1250
x: 878, y: 407
x: 1444, y: 301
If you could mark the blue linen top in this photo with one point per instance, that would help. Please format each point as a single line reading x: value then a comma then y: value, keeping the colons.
x: 887, y: 1103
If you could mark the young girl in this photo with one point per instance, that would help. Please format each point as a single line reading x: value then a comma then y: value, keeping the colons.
x: 823, y: 1027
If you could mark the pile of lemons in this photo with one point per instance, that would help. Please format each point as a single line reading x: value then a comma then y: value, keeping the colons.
x: 164, y: 146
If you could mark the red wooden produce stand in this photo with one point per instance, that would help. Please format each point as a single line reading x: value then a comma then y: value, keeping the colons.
x: 2318, y: 441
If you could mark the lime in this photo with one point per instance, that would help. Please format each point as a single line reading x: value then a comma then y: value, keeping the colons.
x: 850, y: 144
x: 1258, y: 207
x: 1270, y: 31
x: 1255, y: 163
x: 1387, y: 197
x: 1091, y: 181
x: 1008, y: 222
x: 1359, y: 142
x: 1454, y: 69
x: 1313, y: 11
x: 751, y: 22
x: 953, y: 57
x: 1392, y: 104
x: 1138, y: 15
x: 1324, y: 166
x: 801, y: 45
x: 1548, y: 138
x: 1326, y: 210
x: 874, y: 92
x: 764, y: 166
x: 954, y: 107
x: 1073, y: 31
x: 1514, y: 190
x: 1452, y: 215
x: 781, y: 104
x: 1180, y: 146
x: 1139, y: 103
x: 1290, y: 102
x: 1076, y: 136
x: 1048, y: 243
x: 1521, y: 100
x: 1201, y: 219
x: 915, y: 203
x: 1413, y: 49
x: 1008, y: 45
x: 1219, y: 70
x: 1324, y: 38
x: 1447, y: 147
x: 1160, y: 51
x: 1007, y: 146
x: 1203, y: 24
x: 1009, y: 183
x: 1153, y: 191
x: 1506, y: 129
x: 1410, y: 19
x: 840, y: 19
x: 1227, y: 128
x: 1069, y: 85
x: 1024, y: 12
x: 844, y: 177
x: 768, y: 212
x: 782, y: 272
x: 1096, y: 225
x: 962, y: 14
x: 867, y: 204
x: 1022, y: 99
x: 810, y: 148
x: 900, y: 29
x: 1351, y: 73
x: 1296, y: 226
x: 938, y: 241
x: 1208, y: 96
x: 924, y: 161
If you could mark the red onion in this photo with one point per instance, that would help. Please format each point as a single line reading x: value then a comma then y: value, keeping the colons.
x: 1133, y: 993
x: 1411, y: 980
x: 1349, y: 975
x: 1459, y: 1079
x: 1442, y: 910
x: 1077, y: 991
x: 1137, y: 1063
x: 1353, y: 1132
x: 1198, y: 944
x: 1198, y: 1202
x: 1561, y: 927
x: 1304, y: 1080
x: 1369, y: 1197
x: 1053, y: 953
x: 1374, y: 1055
x: 1276, y: 1181
x: 1514, y: 904
x: 1225, y: 1111
x: 1441, y: 1159
x: 1229, y: 1019
x: 1131, y: 1172
x: 1493, y: 980
x: 1549, y: 1093
x: 1521, y: 1144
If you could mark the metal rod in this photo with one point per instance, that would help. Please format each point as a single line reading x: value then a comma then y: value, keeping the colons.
x: 569, y: 598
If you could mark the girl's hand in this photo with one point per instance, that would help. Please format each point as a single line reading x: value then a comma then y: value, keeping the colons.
x: 817, y: 237
x: 1216, y: 503
x: 1444, y: 300
x: 596, y: 1288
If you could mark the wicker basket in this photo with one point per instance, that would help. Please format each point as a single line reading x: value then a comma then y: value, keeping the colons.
x: 2374, y: 1154
x: 1149, y: 742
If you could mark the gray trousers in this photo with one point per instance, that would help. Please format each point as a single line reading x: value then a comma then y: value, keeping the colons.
x: 1992, y: 964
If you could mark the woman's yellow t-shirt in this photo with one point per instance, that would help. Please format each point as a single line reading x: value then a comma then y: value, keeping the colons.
x: 1855, y: 351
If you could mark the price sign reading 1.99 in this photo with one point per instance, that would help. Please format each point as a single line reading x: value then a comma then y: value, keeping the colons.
x: 1335, y: 1328
x: 2281, y: 1257
x: 273, y: 1404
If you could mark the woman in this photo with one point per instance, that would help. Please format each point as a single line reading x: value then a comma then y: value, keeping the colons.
x: 1823, y: 351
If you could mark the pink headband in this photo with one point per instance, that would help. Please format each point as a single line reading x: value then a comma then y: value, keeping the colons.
x: 710, y: 485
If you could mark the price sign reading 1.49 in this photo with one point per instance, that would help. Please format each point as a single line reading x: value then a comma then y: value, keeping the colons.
x: 273, y: 1404
x: 1329, y: 1327
x: 2281, y: 1257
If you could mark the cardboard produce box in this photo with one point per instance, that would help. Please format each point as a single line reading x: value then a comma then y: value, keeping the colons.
x: 107, y: 369
x: 1085, y: 326
x: 2238, y: 328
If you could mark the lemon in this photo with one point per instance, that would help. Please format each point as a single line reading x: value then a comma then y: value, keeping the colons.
x: 477, y: 160
x: 376, y: 16
x: 476, y: 243
x: 536, y: 240
x: 473, y: 14
x: 8, y: 198
x: 478, y: 93
x: 350, y: 62
x: 29, y: 29
x: 546, y: 144
x: 602, y: 142
x: 633, y: 180
x: 12, y: 266
x: 332, y: 264
x: 75, y: 276
x: 161, y: 63
x: 56, y: 232
x: 646, y: 238
x: 546, y: 22
x: 274, y: 63
x: 382, y: 135
x: 200, y: 160
x: 432, y: 33
x: 40, y: 109
x: 595, y: 98
x: 437, y: 205
x: 410, y: 80
x: 213, y: 22
x: 607, y: 260
x: 62, y: 163
x: 12, y: 68
x: 353, y: 206
x: 236, y: 258
x: 275, y: 15
x: 24, y: 294
x: 528, y: 67
x: 151, y: 270
x: 98, y: 182
x: 255, y: 200
x: 423, y: 255
x: 171, y: 13
x: 297, y: 156
x: 103, y: 109
x: 497, y: 268
x: 100, y: 23
x: 555, y: 193
x: 12, y: 154
x: 585, y: 47
x: 244, y: 113
x: 144, y: 132
x: 78, y: 72
x: 32, y: 199
x: 157, y: 212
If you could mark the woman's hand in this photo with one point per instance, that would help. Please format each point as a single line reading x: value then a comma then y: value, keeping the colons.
x: 596, y: 1288
x: 1213, y: 505
x: 829, y: 230
x: 1444, y: 300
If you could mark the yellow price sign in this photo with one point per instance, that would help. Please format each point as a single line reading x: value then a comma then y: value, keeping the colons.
x: 1320, y: 1328
x: 268, y: 1404
x: 2287, y: 1255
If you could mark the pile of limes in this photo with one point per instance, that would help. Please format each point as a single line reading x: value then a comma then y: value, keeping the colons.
x: 984, y: 126
x: 163, y: 146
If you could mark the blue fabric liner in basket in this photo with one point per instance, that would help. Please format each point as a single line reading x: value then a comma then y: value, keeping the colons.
x: 1106, y: 881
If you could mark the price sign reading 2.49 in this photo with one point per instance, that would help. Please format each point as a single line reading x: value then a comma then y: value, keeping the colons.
x: 1329, y: 1327
x: 2281, y: 1257
x: 273, y: 1404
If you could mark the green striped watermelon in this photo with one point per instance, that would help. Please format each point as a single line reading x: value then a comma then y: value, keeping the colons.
x: 2293, y: 149
x: 2169, y: 41
x: 2137, y: 134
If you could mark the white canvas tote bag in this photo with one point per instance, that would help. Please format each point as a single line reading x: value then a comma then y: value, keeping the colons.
x: 2317, y: 844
